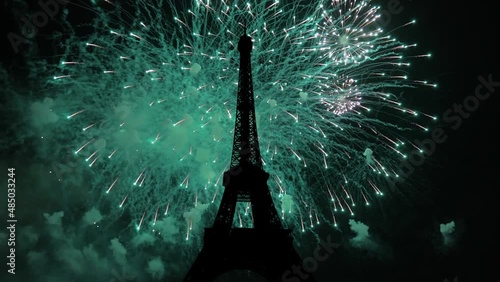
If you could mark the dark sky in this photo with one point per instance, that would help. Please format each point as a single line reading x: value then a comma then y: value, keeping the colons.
x: 460, y: 178
x: 461, y: 37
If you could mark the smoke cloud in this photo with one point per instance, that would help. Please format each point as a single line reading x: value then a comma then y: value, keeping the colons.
x: 447, y: 232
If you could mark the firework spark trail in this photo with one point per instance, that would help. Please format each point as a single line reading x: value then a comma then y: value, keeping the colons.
x: 157, y: 86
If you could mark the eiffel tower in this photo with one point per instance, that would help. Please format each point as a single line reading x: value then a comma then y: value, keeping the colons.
x: 267, y: 249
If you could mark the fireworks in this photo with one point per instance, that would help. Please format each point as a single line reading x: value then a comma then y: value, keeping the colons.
x: 150, y: 95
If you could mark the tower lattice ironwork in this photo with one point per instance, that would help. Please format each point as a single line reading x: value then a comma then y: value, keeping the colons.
x: 267, y: 248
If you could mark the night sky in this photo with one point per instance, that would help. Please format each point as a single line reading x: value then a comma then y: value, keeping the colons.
x: 457, y: 182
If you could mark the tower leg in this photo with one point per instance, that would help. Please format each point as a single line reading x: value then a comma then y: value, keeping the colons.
x: 269, y: 253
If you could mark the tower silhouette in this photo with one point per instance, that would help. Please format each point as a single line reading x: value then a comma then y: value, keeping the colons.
x: 266, y: 249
